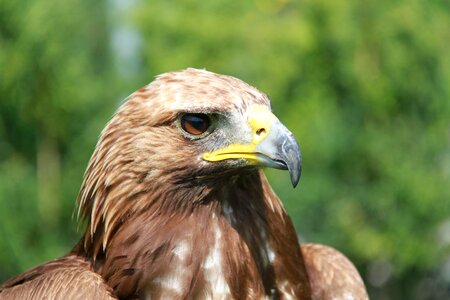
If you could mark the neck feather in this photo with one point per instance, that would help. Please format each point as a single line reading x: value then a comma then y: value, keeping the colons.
x: 146, y: 229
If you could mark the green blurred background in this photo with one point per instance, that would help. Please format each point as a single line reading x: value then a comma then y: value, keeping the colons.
x: 363, y: 84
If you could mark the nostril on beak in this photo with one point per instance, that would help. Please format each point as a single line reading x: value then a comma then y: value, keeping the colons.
x: 260, y: 131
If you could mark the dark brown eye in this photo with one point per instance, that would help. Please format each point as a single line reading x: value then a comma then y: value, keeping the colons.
x: 195, y: 124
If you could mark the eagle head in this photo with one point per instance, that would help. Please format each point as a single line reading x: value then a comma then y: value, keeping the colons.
x: 186, y: 129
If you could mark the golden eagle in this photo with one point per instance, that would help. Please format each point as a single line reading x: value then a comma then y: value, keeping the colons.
x: 177, y: 206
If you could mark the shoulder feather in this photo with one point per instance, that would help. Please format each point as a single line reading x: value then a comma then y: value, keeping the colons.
x: 70, y: 277
x: 331, y: 274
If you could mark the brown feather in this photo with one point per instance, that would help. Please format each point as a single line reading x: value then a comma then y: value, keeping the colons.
x: 70, y: 277
x: 332, y: 275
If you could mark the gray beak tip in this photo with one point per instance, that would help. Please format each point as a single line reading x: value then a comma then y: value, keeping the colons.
x: 295, y: 168
x: 295, y: 177
x: 293, y: 160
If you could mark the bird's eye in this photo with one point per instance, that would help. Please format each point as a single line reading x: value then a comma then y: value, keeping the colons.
x: 195, y: 124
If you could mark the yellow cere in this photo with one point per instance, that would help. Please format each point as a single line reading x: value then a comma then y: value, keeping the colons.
x: 260, y: 120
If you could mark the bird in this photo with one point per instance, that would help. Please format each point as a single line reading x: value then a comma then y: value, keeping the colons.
x: 176, y: 205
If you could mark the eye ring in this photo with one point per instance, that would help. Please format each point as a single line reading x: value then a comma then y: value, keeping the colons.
x: 195, y: 125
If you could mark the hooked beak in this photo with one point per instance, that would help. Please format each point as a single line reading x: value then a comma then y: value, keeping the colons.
x: 273, y: 145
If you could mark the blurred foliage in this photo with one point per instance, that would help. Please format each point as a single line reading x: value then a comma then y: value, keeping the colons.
x: 364, y: 85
